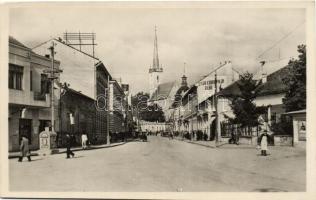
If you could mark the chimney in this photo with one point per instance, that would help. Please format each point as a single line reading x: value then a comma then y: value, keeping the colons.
x: 264, y: 78
x: 263, y: 74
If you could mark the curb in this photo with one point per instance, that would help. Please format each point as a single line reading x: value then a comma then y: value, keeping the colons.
x: 17, y: 156
x: 204, y: 145
x: 76, y: 149
x: 91, y: 148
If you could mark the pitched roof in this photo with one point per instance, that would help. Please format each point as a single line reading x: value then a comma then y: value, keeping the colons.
x: 12, y: 40
x: 162, y: 92
x: 274, y: 84
x: 231, y: 90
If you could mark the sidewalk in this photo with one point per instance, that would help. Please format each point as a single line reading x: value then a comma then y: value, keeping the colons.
x: 299, y: 150
x: 210, y: 144
x: 63, y: 150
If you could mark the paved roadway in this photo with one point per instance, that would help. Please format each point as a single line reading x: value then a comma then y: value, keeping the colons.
x: 163, y: 165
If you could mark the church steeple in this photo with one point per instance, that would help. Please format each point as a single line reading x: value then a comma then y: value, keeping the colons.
x: 156, y: 66
x: 155, y: 71
x: 184, y: 78
x: 155, y: 57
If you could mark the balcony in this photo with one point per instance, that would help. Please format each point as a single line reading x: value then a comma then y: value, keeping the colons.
x: 29, y: 98
x: 38, y: 96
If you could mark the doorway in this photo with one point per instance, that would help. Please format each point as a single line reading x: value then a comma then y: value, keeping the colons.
x: 212, y: 130
x: 25, y: 128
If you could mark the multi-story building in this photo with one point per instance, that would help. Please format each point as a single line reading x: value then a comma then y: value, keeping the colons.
x: 77, y: 114
x: 118, y: 108
x: 29, y: 94
x: 102, y: 82
x: 95, y: 85
x: 196, y: 112
x: 189, y: 110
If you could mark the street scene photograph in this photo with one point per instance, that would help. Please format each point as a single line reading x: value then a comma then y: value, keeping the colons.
x: 153, y: 97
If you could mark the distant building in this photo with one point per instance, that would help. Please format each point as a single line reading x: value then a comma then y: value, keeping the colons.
x: 153, y: 126
x: 195, y: 112
x: 118, y: 108
x: 29, y: 94
x: 160, y: 92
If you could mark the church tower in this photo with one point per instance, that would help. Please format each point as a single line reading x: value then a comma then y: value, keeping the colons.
x: 155, y: 71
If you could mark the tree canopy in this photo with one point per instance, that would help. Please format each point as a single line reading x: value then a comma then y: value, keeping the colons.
x: 245, y: 110
x: 152, y: 112
x: 295, y: 96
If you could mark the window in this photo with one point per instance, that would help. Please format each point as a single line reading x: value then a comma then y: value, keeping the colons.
x: 15, y: 77
x: 45, y: 84
x: 274, y: 117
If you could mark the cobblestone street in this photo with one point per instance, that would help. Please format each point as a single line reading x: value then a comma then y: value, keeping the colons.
x: 163, y: 165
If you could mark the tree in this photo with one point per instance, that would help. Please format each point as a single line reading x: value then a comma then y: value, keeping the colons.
x: 152, y: 112
x: 295, y: 96
x: 243, y: 106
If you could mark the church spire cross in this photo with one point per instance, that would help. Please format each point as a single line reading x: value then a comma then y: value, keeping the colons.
x: 156, y: 58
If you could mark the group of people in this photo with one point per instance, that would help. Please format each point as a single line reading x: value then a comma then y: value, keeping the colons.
x: 70, y: 140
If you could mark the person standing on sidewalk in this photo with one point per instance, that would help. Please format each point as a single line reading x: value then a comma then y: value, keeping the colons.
x: 24, y: 148
x: 84, y: 139
x: 68, y: 145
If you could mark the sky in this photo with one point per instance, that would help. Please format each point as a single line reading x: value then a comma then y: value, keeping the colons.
x: 200, y: 37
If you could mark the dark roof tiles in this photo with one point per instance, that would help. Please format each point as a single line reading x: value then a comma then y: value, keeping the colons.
x: 162, y: 92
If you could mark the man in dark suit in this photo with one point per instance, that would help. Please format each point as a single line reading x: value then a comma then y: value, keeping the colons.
x: 68, y: 145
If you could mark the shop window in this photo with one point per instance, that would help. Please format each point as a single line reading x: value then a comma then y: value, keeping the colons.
x: 15, y: 77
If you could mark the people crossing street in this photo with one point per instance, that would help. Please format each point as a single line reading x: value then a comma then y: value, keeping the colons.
x: 69, y: 143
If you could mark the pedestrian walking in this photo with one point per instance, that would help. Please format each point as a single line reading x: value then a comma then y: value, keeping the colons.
x: 171, y: 135
x: 84, y: 140
x: 264, y: 142
x: 24, y: 149
x: 68, y: 145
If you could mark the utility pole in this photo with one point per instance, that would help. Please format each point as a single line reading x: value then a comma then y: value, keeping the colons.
x: 52, y: 77
x: 217, y: 122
